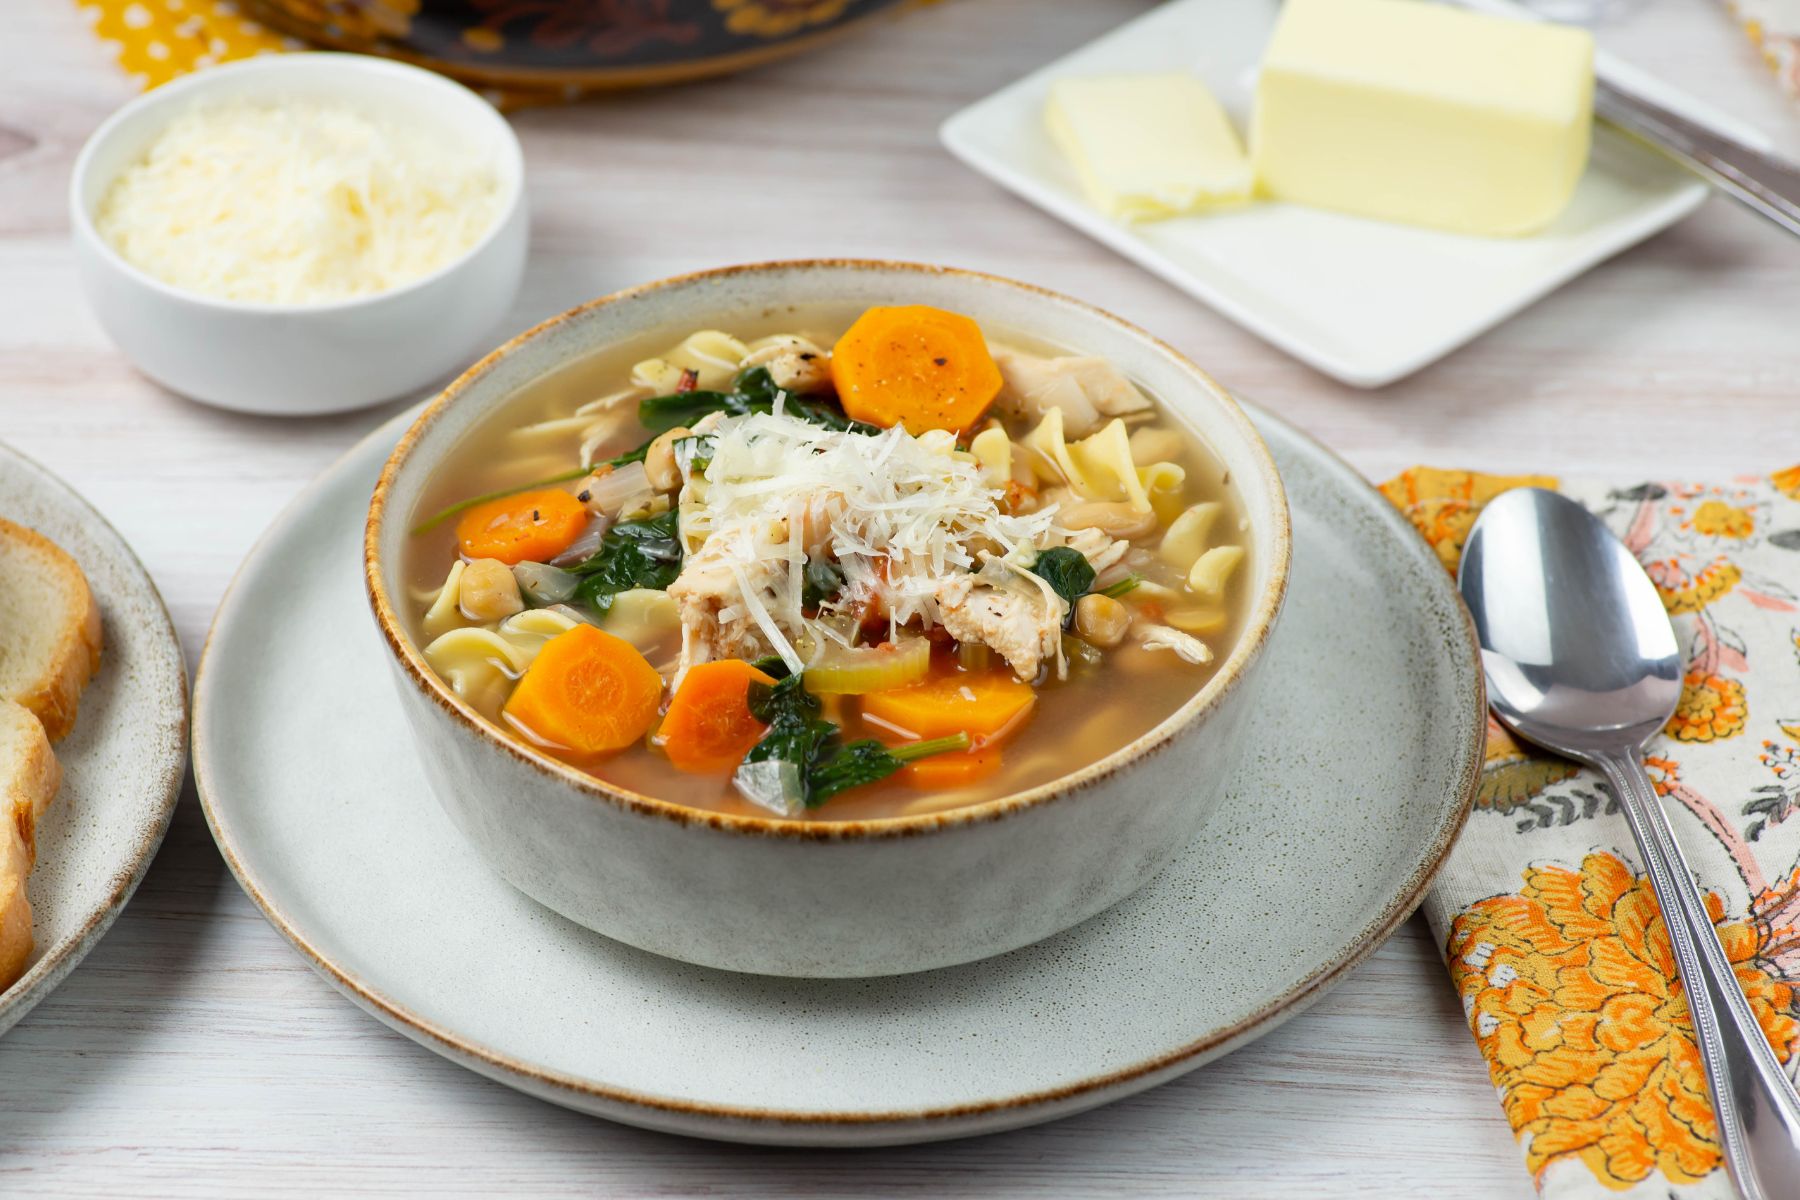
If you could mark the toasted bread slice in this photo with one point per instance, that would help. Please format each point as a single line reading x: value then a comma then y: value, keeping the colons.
x: 29, y: 772
x: 15, y: 907
x: 49, y: 628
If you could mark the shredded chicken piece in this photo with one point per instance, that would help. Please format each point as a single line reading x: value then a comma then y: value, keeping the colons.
x: 714, y: 620
x: 795, y: 364
x: 1020, y: 627
x: 1101, y: 549
x: 1086, y: 389
x: 1185, y: 646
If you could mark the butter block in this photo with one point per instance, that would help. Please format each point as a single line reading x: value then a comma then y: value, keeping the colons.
x: 1416, y: 112
x: 1148, y: 146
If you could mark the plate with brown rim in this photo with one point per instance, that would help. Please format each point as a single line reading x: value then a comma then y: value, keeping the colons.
x: 123, y: 762
x: 1360, y: 775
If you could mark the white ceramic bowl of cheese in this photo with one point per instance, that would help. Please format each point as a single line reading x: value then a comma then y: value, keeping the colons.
x: 301, y: 359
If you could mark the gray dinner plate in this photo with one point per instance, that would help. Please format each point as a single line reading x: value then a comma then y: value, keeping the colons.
x: 122, y: 763
x: 1361, y: 772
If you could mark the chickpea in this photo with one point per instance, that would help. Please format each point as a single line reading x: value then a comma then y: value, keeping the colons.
x: 1115, y: 518
x: 1101, y: 620
x: 659, y: 459
x: 488, y: 591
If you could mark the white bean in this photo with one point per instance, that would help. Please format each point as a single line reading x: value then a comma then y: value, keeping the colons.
x: 659, y: 459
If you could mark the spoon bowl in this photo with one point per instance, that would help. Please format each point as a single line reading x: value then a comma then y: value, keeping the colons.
x: 1578, y: 652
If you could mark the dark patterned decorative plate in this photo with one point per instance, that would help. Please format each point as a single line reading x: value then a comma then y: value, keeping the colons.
x: 570, y: 45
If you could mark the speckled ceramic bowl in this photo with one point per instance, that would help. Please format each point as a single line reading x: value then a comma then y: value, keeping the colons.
x: 848, y: 898
x: 579, y: 45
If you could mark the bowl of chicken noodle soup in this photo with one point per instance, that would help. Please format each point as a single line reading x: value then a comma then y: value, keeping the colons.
x: 829, y: 618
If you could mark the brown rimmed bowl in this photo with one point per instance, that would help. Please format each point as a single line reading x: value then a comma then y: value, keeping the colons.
x: 850, y: 898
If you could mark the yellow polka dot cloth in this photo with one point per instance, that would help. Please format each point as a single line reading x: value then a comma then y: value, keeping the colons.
x: 156, y: 40
x: 1554, y: 940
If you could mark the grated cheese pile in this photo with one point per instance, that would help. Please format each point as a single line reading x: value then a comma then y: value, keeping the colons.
x: 301, y: 202
x: 898, y: 513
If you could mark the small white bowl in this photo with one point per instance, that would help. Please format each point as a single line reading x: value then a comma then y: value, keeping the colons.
x: 302, y: 359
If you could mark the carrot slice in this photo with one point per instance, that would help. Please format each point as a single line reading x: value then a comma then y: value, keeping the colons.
x: 587, y: 692
x: 987, y: 705
x: 941, y: 772
x: 708, y: 726
x: 535, y: 526
x: 914, y: 365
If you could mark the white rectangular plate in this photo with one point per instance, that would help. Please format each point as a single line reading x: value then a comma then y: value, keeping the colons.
x: 1365, y: 301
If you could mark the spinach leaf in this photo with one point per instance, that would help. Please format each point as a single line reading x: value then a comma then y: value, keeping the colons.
x: 662, y: 413
x: 1067, y: 571
x: 633, y: 554
x: 820, y: 581
x: 797, y: 736
x: 868, y: 761
x: 772, y: 665
x: 630, y: 456
x: 784, y: 702
x: 757, y: 387
x: 754, y: 390
x: 1122, y: 587
x: 810, y: 760
x: 824, y: 412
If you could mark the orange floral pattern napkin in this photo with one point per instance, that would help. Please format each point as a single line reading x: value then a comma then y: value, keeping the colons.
x: 1774, y: 25
x: 1549, y: 926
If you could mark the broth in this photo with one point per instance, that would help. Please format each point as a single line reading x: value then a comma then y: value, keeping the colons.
x: 1074, y: 722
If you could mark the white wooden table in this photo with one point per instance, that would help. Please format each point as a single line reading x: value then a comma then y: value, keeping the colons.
x: 195, y: 1054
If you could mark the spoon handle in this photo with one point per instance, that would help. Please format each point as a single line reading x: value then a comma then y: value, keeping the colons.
x: 1755, y: 1104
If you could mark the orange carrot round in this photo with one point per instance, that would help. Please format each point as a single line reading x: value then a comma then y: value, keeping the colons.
x: 987, y: 705
x: 942, y: 772
x: 914, y: 365
x: 708, y: 727
x: 530, y: 526
x: 587, y: 693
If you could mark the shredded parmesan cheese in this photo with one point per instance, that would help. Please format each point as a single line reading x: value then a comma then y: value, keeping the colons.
x: 301, y: 202
x: 899, y: 519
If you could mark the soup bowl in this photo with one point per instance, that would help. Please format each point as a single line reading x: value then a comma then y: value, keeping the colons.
x: 841, y: 898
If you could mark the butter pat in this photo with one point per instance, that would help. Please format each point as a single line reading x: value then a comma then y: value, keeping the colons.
x: 1148, y: 146
x: 1415, y: 112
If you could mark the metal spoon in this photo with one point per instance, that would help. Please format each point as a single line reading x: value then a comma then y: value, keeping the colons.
x: 1580, y: 658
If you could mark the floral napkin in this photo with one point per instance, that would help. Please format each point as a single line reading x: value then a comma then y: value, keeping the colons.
x: 1549, y: 926
x: 1774, y: 25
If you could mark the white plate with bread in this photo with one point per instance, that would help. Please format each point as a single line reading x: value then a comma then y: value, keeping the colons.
x: 93, y: 729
